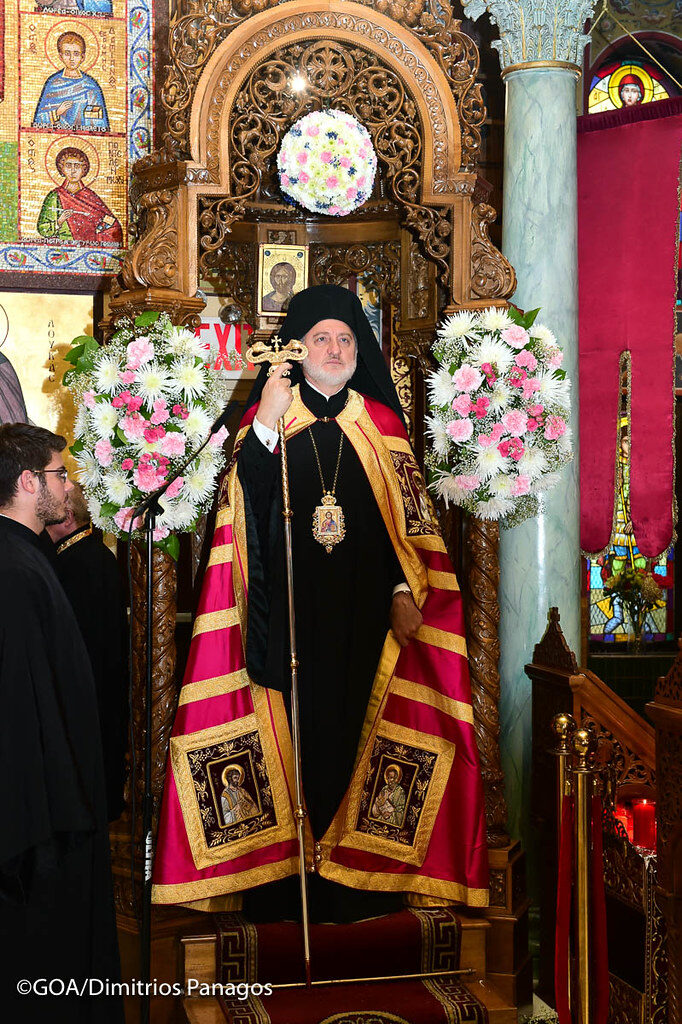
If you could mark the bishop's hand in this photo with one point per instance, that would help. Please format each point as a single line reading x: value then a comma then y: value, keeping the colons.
x: 405, y: 618
x: 276, y: 397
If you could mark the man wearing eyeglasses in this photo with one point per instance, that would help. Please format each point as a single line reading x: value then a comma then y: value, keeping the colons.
x: 56, y: 906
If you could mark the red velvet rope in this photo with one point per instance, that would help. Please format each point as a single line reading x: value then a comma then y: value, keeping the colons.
x: 600, y: 955
x: 563, y: 913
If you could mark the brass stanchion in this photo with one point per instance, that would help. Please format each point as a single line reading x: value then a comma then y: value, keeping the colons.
x: 563, y: 727
x: 583, y: 769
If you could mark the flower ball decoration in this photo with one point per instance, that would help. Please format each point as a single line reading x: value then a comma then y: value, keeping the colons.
x: 327, y: 163
x: 145, y: 401
x: 499, y: 405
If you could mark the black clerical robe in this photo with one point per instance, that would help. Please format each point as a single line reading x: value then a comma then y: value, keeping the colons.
x: 56, y: 906
x: 88, y: 571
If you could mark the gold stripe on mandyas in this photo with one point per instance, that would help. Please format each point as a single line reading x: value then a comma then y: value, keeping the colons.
x: 223, y: 518
x: 197, y: 892
x: 211, y: 621
x: 442, y: 580
x: 216, y: 687
x: 458, y: 709
x: 84, y: 532
x: 220, y: 554
x: 529, y: 65
x: 441, y: 638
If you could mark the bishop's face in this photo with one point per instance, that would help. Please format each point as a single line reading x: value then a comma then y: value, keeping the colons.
x: 332, y: 355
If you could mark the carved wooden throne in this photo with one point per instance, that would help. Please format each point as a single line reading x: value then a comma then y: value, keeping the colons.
x: 209, y: 197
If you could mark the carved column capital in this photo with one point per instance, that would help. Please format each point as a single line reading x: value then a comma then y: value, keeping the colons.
x: 536, y: 33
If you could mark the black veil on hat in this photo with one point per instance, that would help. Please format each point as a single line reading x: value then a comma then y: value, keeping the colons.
x: 332, y: 302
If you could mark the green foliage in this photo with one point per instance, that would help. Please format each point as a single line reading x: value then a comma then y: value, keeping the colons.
x: 146, y: 319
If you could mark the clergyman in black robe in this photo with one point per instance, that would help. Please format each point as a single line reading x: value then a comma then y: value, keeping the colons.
x: 89, y: 574
x: 56, y: 908
x: 344, y: 601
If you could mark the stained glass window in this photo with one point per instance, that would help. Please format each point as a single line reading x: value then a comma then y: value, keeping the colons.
x: 609, y: 621
x: 626, y: 83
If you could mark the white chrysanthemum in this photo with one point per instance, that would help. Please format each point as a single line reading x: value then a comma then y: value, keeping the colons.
x: 499, y: 397
x: 489, y: 350
x: 117, y: 486
x: 153, y: 382
x: 458, y: 326
x: 88, y: 471
x: 494, y: 319
x: 440, y: 439
x: 181, y: 342
x: 94, y: 507
x: 501, y: 485
x: 489, y: 462
x: 199, y: 482
x: 546, y: 482
x: 494, y: 508
x: 189, y: 378
x: 543, y: 335
x: 552, y: 390
x: 178, y: 515
x: 197, y: 424
x: 107, y: 379
x: 449, y: 491
x: 441, y: 389
x: 81, y: 422
x: 104, y: 419
x: 532, y: 463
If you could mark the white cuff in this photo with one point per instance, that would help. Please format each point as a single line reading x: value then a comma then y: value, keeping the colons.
x: 402, y: 588
x: 265, y: 435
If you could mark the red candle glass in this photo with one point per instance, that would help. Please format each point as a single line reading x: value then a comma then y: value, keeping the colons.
x: 644, y: 824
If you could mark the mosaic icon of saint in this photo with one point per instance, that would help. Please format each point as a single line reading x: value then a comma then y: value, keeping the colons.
x: 631, y: 90
x: 235, y: 801
x: 72, y: 211
x: 103, y: 7
x: 71, y: 99
x: 389, y: 805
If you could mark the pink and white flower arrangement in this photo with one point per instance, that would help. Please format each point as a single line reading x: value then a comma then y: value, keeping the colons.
x: 327, y: 163
x: 145, y: 401
x: 499, y: 409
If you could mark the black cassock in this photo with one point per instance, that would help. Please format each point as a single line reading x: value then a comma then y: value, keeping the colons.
x: 88, y: 571
x: 343, y: 602
x: 56, y: 907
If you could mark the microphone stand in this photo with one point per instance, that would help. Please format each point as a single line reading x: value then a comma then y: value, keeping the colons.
x: 151, y: 508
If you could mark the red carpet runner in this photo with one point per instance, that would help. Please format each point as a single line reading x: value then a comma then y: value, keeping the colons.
x: 410, y: 941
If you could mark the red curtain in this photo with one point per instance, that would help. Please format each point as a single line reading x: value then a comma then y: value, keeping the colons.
x: 628, y: 211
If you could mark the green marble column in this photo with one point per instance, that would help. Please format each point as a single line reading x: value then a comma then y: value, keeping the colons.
x: 540, y: 50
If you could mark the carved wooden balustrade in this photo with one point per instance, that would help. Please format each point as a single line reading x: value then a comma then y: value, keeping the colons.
x: 637, y: 932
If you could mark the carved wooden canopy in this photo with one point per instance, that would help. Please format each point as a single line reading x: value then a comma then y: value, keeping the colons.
x: 410, y: 78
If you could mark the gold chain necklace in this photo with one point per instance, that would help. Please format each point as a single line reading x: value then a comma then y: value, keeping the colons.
x: 329, y: 527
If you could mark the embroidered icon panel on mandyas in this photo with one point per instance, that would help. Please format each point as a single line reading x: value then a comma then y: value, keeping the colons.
x: 76, y: 112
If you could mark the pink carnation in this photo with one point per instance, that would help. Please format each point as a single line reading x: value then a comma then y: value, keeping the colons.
x: 515, y: 423
x: 133, y: 426
x: 515, y: 336
x: 135, y: 403
x: 529, y: 387
x: 173, y: 444
x: 462, y: 405
x: 332, y: 181
x: 153, y: 434
x: 219, y: 437
x: 127, y: 464
x: 555, y: 427
x: 89, y: 399
x: 511, y: 448
x: 326, y: 157
x: 104, y: 452
x: 304, y: 178
x: 285, y: 179
x: 460, y: 430
x: 361, y: 181
x: 122, y: 519
x: 139, y: 351
x: 145, y: 476
x: 527, y: 359
x: 520, y: 486
x: 302, y: 157
x: 175, y: 487
x: 345, y: 161
x: 467, y: 483
x: 481, y: 407
x: 351, y: 193
x: 127, y: 376
x: 556, y: 358
x: 161, y: 532
x: 467, y: 378
x: 334, y: 210
x: 160, y: 414
x: 312, y: 130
